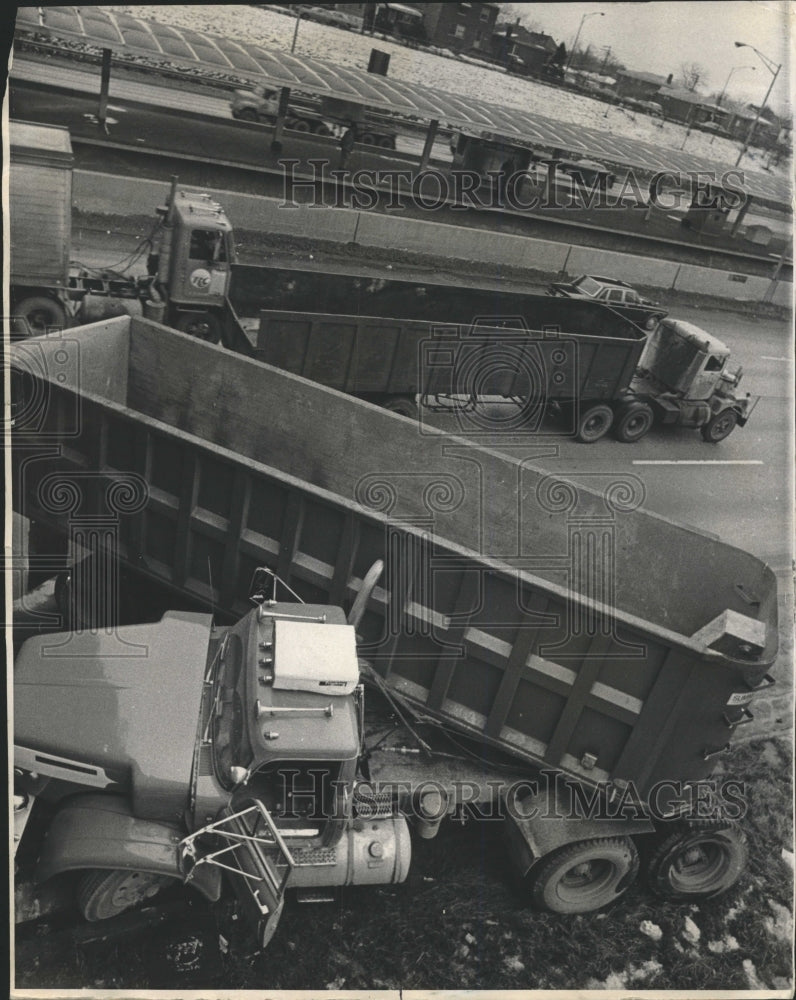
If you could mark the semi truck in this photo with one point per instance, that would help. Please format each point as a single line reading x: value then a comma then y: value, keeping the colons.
x: 450, y: 346
x: 310, y: 115
x: 188, y: 268
x: 606, y: 654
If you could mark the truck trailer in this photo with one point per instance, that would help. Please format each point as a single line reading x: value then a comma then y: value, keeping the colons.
x: 608, y: 653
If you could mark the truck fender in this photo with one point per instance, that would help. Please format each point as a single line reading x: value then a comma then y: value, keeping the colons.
x: 539, y: 824
x: 99, y: 831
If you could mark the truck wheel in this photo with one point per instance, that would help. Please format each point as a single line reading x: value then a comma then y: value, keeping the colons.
x: 633, y: 422
x: 105, y: 894
x: 248, y: 115
x: 405, y: 405
x: 719, y: 426
x: 205, y: 326
x: 298, y: 125
x: 386, y: 142
x: 594, y: 423
x: 584, y: 876
x: 693, y: 863
x: 321, y: 128
x: 40, y: 314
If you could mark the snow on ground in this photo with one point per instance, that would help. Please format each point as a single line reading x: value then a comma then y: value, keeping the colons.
x: 458, y: 76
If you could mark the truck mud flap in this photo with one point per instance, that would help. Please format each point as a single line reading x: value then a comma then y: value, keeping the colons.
x: 246, y: 844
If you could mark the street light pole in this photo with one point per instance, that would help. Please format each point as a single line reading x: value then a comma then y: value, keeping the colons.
x: 735, y: 69
x: 769, y: 64
x: 594, y: 13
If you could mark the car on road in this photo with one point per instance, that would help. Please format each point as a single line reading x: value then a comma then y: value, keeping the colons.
x: 617, y: 294
x: 335, y: 18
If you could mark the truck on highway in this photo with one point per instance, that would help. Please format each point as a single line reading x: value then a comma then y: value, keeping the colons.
x: 391, y: 342
x: 450, y: 346
x: 308, y: 115
x: 601, y: 657
x: 188, y: 269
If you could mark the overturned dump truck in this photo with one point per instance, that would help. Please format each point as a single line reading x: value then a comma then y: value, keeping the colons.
x: 392, y: 342
x: 607, y: 653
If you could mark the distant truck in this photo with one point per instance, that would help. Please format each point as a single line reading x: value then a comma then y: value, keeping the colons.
x: 262, y: 105
x: 590, y: 364
x: 188, y: 271
x: 599, y: 656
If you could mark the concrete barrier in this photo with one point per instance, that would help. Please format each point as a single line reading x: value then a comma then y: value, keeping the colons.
x: 725, y: 284
x: 104, y: 194
x: 630, y: 267
x: 463, y: 242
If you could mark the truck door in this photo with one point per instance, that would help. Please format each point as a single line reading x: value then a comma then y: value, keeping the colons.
x: 247, y: 845
x: 205, y: 272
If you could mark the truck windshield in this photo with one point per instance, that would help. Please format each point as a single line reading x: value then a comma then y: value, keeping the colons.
x: 207, y: 244
x: 588, y: 285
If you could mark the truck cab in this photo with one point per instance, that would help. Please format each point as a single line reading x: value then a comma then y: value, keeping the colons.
x: 192, y: 265
x: 183, y: 751
x: 683, y: 372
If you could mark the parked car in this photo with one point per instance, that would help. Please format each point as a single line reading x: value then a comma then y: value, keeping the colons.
x: 615, y: 293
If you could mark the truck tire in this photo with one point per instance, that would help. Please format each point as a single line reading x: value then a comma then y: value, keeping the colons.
x: 297, y: 125
x: 584, y: 876
x: 594, y: 422
x: 697, y: 862
x: 720, y: 426
x: 205, y: 326
x: 105, y: 894
x: 320, y: 128
x: 386, y: 142
x: 405, y: 405
x: 40, y: 314
x: 248, y: 115
x: 633, y: 422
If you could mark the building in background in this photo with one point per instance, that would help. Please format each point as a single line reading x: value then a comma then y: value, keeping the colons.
x: 639, y: 86
x: 460, y: 26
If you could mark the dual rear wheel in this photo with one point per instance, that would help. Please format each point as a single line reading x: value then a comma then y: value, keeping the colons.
x: 629, y: 424
x: 688, y: 861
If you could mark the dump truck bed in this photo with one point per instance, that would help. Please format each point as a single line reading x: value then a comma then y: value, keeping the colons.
x: 553, y: 618
x: 544, y: 352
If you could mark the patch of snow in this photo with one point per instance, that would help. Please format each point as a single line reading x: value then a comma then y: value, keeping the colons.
x: 752, y: 978
x: 651, y: 930
x: 513, y: 964
x: 645, y: 970
x: 727, y: 943
x: 691, y: 933
x: 787, y: 857
x: 781, y: 925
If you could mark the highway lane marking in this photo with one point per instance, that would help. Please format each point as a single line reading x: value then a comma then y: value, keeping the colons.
x: 697, y: 461
x: 767, y: 357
